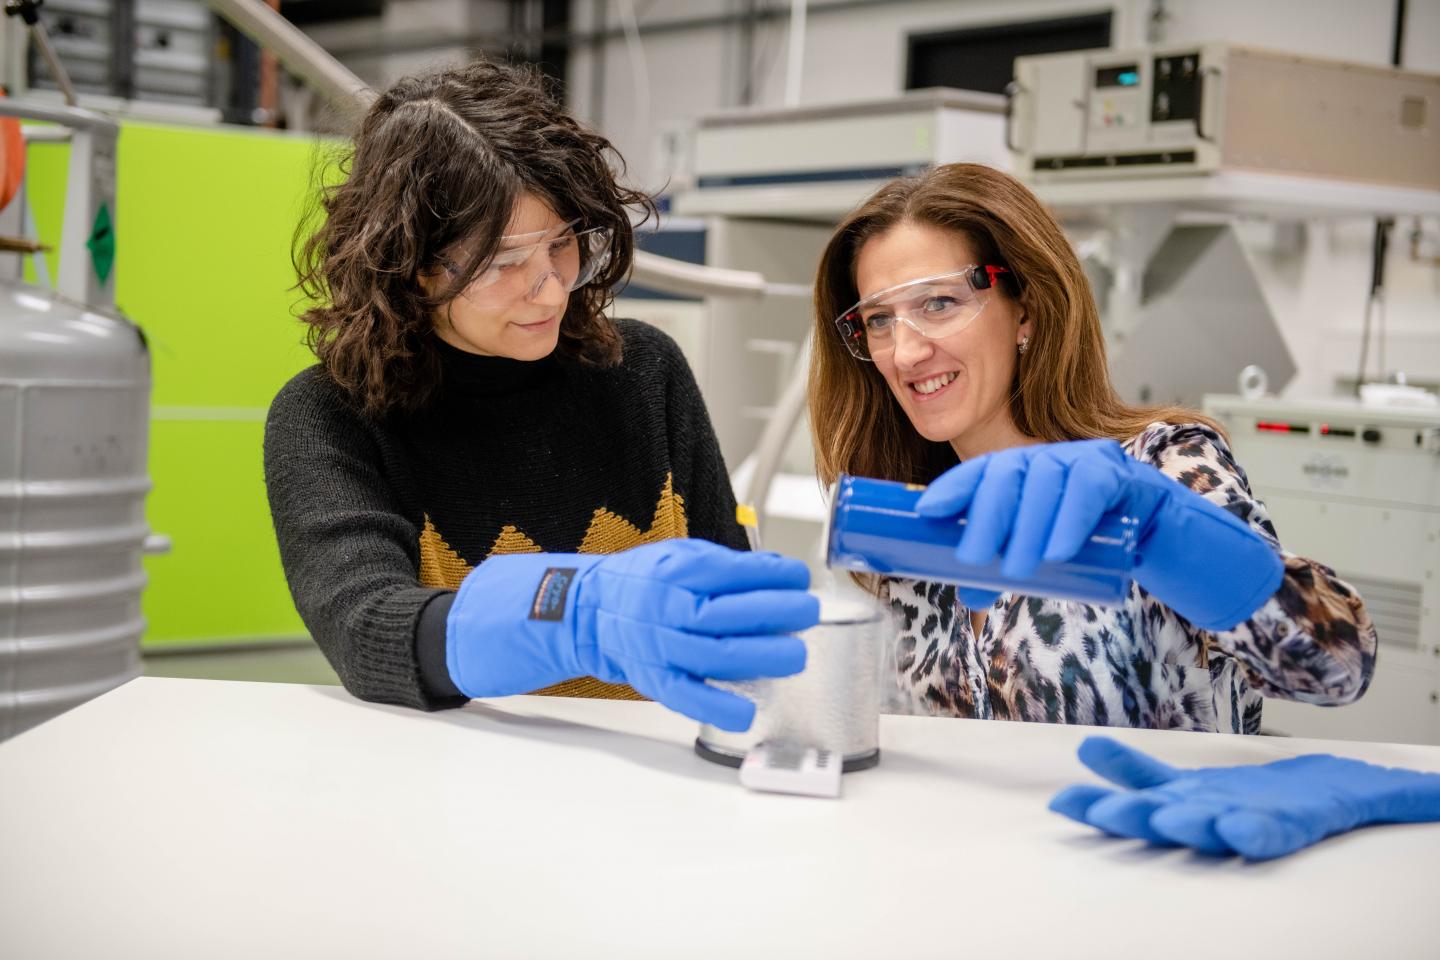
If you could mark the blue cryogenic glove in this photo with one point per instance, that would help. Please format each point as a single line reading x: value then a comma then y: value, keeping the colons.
x: 1259, y: 812
x: 662, y: 618
x: 1042, y: 503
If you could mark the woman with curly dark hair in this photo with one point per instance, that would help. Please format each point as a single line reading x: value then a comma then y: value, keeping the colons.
x: 486, y: 486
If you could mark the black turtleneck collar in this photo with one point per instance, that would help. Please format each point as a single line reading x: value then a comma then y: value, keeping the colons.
x: 474, y: 375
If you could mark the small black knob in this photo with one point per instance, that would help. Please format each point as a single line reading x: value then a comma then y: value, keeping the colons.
x: 1370, y: 435
x: 27, y: 10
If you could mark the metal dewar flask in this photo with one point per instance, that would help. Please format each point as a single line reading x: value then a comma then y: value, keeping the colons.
x: 74, y: 401
x: 74, y: 425
x: 833, y: 705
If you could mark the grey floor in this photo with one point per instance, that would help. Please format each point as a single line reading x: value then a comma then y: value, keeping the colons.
x: 291, y: 663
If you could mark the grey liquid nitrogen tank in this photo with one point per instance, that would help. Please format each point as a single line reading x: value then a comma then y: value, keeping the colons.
x: 74, y: 404
x: 74, y: 411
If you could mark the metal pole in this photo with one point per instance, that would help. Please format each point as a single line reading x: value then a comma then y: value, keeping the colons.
x: 770, y: 450
x: 29, y: 12
x: 795, y: 63
x: 299, y: 54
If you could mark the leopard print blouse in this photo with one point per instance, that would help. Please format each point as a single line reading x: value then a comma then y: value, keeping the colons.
x: 1139, y: 664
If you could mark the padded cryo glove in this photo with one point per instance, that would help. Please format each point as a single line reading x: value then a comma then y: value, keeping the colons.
x: 1259, y: 812
x: 1042, y: 503
x: 662, y: 618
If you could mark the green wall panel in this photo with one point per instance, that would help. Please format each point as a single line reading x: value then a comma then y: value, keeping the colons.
x: 204, y: 229
x: 204, y: 223
x: 221, y: 581
x: 45, y: 184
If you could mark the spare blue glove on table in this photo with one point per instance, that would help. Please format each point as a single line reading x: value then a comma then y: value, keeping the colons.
x: 1040, y: 504
x: 1260, y: 812
x: 662, y: 618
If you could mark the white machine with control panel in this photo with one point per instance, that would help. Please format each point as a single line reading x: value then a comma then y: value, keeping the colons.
x: 1357, y: 488
x: 1210, y: 107
x: 1148, y: 154
x: 767, y: 186
x: 815, y: 163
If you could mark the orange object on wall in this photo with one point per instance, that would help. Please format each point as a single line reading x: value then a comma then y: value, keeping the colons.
x: 12, y: 158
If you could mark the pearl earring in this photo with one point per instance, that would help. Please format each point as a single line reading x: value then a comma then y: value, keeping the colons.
x: 1024, y: 343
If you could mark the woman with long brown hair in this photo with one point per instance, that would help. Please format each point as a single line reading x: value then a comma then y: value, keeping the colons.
x: 486, y: 486
x: 957, y: 344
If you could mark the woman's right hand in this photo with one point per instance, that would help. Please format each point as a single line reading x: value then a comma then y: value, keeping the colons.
x: 663, y: 618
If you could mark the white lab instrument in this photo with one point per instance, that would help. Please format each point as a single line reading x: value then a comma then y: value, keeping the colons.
x: 814, y: 163
x: 1199, y: 320
x: 1182, y: 307
x: 1150, y: 153
x: 1203, y: 108
x: 1357, y: 488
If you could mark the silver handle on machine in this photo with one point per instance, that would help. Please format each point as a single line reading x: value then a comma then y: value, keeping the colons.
x: 686, y: 279
x: 1013, y: 90
x: 1200, y: 103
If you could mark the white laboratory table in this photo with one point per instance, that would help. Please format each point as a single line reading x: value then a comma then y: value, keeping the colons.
x: 187, y: 818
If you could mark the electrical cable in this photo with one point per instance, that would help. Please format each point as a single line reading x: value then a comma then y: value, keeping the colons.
x: 1375, y: 302
x: 795, y: 58
x: 639, y: 70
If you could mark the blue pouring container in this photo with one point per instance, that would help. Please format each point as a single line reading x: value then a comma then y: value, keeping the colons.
x: 872, y: 527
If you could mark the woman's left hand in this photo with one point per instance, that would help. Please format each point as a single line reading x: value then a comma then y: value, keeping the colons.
x: 1040, y: 504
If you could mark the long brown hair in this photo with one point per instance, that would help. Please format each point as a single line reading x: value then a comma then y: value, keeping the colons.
x: 1061, y: 389
x: 442, y: 158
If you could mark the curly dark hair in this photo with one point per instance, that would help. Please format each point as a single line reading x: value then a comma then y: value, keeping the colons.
x: 440, y: 158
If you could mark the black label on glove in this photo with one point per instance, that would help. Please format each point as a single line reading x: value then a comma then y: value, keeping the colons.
x: 549, y: 602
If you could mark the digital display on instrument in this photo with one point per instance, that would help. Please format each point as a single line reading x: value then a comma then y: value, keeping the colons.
x: 1122, y: 76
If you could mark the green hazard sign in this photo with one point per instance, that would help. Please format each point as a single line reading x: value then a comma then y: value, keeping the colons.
x: 102, y: 243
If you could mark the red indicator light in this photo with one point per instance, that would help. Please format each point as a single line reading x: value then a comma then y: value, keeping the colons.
x: 1276, y: 426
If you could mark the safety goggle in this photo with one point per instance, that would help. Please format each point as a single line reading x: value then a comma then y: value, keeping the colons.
x: 573, y: 257
x: 933, y: 307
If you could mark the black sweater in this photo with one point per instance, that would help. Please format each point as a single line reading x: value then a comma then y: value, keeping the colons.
x: 379, y: 520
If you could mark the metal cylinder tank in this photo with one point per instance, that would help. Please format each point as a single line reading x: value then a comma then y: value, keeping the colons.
x: 74, y: 412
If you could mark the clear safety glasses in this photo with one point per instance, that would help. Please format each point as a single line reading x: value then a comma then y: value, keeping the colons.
x: 933, y: 307
x: 519, y: 269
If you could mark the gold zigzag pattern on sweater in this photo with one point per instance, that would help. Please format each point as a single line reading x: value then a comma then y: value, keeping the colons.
x: 441, y: 566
